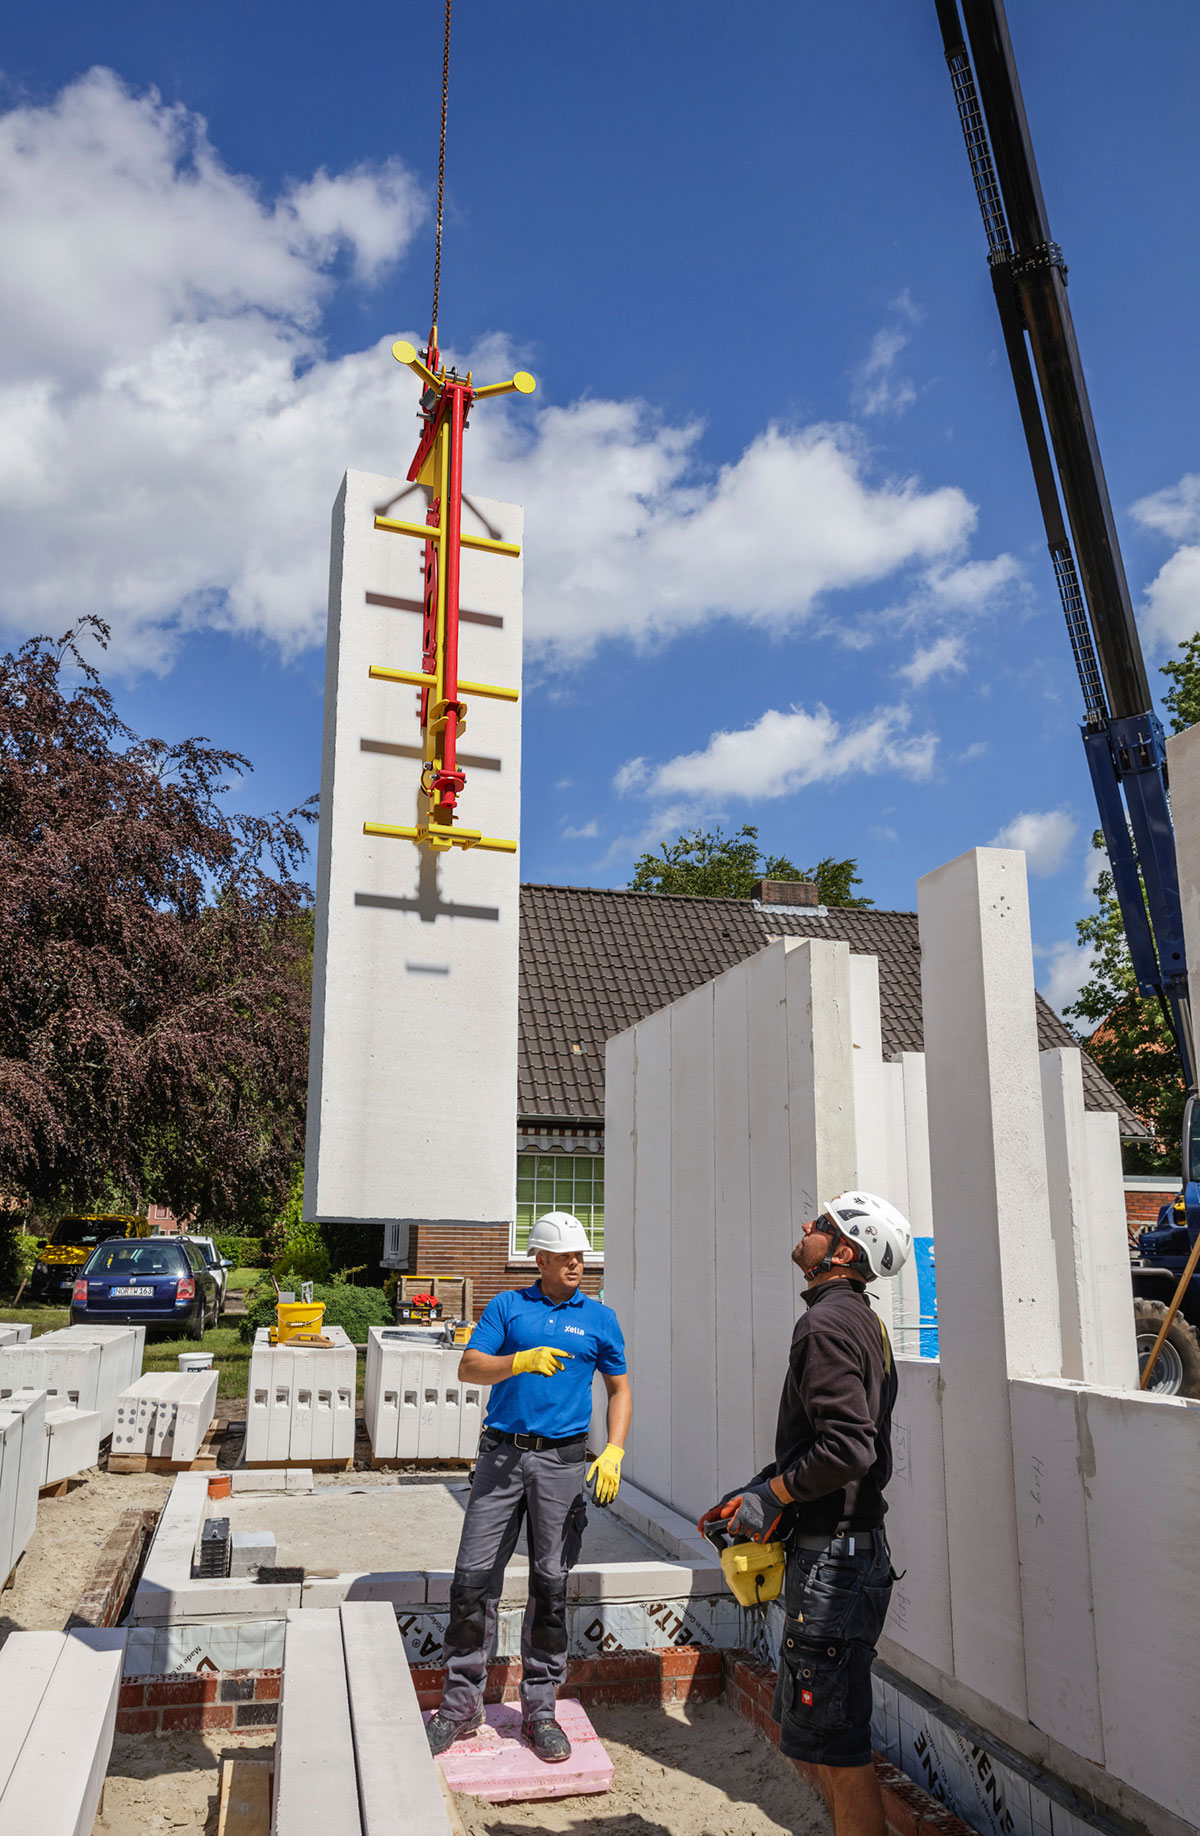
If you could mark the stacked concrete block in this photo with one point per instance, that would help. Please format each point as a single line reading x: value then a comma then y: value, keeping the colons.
x: 301, y: 1406
x: 15, y: 1335
x: 415, y: 1407
x: 165, y: 1415
x: 22, y: 1455
x: 58, y: 1711
x: 415, y: 957
x: 84, y: 1366
x: 250, y: 1550
x: 72, y: 1443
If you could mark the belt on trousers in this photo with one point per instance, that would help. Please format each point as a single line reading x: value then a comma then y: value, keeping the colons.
x: 534, y: 1443
x: 847, y: 1542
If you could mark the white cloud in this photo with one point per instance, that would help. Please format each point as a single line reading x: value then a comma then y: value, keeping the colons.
x: 172, y: 429
x: 940, y: 658
x: 1172, y: 611
x: 1062, y: 971
x: 876, y: 388
x: 587, y: 831
x: 1173, y: 512
x: 1045, y: 835
x: 781, y: 753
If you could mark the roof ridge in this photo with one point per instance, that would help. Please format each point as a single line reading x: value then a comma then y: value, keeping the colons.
x: 796, y: 911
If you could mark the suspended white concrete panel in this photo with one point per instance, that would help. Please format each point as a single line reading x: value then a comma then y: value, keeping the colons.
x: 412, y: 1079
x: 693, y: 1309
x: 997, y: 1282
x: 731, y: 1198
x: 919, y: 1618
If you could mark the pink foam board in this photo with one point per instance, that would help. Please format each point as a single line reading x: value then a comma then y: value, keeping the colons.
x: 495, y: 1764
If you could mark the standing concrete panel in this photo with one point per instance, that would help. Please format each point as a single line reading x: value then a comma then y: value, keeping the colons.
x: 693, y: 1317
x: 1056, y: 1569
x: 412, y: 1078
x: 731, y: 1134
x: 1183, y: 762
x: 772, y: 1299
x: 919, y: 1619
x: 1087, y: 1215
x: 651, y: 1313
x: 998, y: 1288
x: 620, y: 1157
x: 1141, y: 1466
x: 872, y: 1170
x: 917, y: 1279
x: 1111, y: 1347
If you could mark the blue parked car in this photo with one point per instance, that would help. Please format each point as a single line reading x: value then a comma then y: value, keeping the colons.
x: 147, y: 1281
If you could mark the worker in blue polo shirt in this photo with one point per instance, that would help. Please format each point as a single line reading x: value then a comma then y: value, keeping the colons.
x: 538, y: 1348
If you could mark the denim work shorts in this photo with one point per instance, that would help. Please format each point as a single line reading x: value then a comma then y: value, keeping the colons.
x: 835, y: 1607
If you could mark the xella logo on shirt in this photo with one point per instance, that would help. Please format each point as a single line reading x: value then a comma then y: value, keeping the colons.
x: 576, y: 1329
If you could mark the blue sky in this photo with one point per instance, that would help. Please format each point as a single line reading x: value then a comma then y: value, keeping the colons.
x: 783, y: 557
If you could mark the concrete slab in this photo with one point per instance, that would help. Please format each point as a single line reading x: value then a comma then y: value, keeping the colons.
x: 316, y: 1784
x: 498, y: 1766
x: 72, y: 1443
x: 27, y: 1662
x: 55, y: 1784
x: 398, y: 1787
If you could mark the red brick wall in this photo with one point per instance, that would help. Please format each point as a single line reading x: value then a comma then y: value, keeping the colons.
x: 235, y: 1701
x: 480, y: 1251
x: 1142, y: 1208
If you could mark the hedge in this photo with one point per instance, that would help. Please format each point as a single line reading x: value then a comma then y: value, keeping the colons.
x: 353, y: 1309
x: 243, y: 1252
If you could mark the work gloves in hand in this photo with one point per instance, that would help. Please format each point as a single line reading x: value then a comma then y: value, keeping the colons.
x: 717, y: 1510
x: 543, y: 1360
x: 604, y: 1475
x: 753, y: 1512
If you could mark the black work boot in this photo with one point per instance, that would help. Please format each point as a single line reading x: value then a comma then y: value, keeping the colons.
x: 442, y: 1732
x: 547, y: 1738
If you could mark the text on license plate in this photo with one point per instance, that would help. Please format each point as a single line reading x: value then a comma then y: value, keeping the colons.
x: 132, y: 1293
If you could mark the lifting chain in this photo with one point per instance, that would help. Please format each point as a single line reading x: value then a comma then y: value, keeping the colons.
x: 437, y: 258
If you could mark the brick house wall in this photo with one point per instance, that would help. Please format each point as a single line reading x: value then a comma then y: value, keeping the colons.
x: 480, y: 1251
x: 1143, y: 1203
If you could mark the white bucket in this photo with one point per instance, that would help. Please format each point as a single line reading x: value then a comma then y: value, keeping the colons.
x: 195, y: 1361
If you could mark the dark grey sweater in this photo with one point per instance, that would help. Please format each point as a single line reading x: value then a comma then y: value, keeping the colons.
x: 833, y: 1440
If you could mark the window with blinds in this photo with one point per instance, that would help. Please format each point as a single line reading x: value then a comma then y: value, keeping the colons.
x: 560, y: 1182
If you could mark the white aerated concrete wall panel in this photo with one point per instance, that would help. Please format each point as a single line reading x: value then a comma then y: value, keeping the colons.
x: 316, y: 1783
x: 55, y: 1782
x: 415, y: 1407
x: 693, y: 1312
x: 23, y: 1423
x: 121, y: 1349
x: 773, y: 1296
x: 1056, y: 1569
x: 620, y: 1165
x: 645, y: 1313
x: 166, y: 1414
x: 72, y: 1443
x: 919, y: 1618
x: 301, y: 1403
x: 997, y: 1282
x: 415, y: 964
x: 872, y: 1168
x: 731, y: 1138
x: 1110, y: 1347
x: 70, y: 1373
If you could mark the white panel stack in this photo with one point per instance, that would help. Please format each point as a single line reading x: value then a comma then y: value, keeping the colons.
x: 165, y: 1415
x: 15, y: 1335
x: 22, y: 1437
x: 414, y: 1406
x: 72, y: 1443
x: 301, y: 1404
x: 84, y: 1366
x: 415, y: 957
x: 58, y: 1710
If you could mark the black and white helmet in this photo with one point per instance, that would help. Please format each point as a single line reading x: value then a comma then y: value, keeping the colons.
x: 881, y: 1234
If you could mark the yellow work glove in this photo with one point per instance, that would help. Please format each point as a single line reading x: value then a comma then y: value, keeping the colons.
x: 543, y: 1360
x: 604, y: 1474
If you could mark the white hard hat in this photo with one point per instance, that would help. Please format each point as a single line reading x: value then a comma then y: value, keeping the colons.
x: 882, y: 1235
x: 557, y: 1233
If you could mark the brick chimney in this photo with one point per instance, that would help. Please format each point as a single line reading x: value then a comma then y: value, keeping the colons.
x: 787, y: 892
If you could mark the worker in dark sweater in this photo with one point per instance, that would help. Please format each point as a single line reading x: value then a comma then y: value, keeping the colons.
x: 822, y: 1498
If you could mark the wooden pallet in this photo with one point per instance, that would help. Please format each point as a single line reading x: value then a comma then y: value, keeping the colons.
x: 301, y: 1465
x: 245, y: 1801
x: 205, y: 1461
x: 56, y: 1489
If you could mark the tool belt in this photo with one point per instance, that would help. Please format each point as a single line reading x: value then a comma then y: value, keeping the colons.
x: 531, y: 1443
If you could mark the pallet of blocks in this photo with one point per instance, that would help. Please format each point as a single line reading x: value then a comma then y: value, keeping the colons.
x: 22, y: 1437
x: 85, y: 1367
x: 163, y: 1422
x: 300, y: 1410
x: 414, y: 1406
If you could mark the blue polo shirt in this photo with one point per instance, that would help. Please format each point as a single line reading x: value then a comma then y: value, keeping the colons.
x: 560, y: 1406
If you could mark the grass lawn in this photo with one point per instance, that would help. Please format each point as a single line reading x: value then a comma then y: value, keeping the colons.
x: 230, y: 1356
x: 241, y: 1279
x: 41, y: 1319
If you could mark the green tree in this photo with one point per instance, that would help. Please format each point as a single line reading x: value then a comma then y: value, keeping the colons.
x: 1127, y: 1035
x: 1182, y: 699
x: 708, y: 864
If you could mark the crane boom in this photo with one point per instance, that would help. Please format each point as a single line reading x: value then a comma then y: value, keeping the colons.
x: 1122, y: 735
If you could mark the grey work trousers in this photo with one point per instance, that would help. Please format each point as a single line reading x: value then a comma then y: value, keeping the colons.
x: 545, y: 1490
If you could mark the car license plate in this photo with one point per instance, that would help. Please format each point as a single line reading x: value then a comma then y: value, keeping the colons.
x: 132, y: 1293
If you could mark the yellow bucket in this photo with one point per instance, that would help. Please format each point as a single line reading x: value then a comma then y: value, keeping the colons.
x: 295, y: 1317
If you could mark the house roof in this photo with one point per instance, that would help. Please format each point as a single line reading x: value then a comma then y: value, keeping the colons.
x: 593, y: 961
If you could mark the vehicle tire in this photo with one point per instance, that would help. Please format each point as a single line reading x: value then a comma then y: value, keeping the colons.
x: 196, y: 1329
x: 1177, y: 1372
